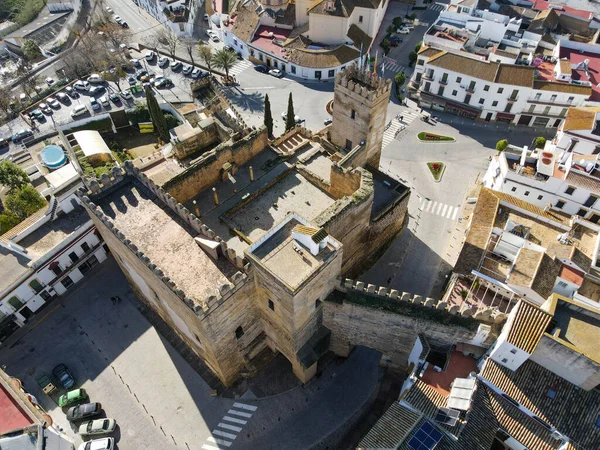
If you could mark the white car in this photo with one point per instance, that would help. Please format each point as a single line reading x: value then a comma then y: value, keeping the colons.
x: 98, y: 426
x: 215, y: 38
x: 402, y: 30
x: 135, y: 62
x: 175, y: 65
x: 196, y: 72
x: 206, y: 17
x: 45, y: 108
x: 117, y: 18
x: 210, y: 33
x: 187, y: 69
x: 104, y: 101
x: 62, y: 97
x: 109, y: 10
x: 53, y: 103
x: 49, y: 81
x: 296, y: 118
x: 81, y: 85
x: 276, y: 73
x: 107, y: 443
x: 95, y: 78
x: 126, y: 95
x: 149, y: 55
x: 163, y: 61
x: 79, y: 110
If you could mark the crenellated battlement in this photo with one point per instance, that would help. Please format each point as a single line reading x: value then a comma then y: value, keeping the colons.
x: 363, y: 82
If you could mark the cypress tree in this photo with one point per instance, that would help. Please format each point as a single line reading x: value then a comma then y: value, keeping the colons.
x: 157, y: 116
x: 268, y: 116
x: 290, y: 121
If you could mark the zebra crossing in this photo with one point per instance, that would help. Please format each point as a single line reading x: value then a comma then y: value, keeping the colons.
x: 408, y: 115
x: 438, y: 7
x: 391, y: 67
x: 231, y: 424
x: 440, y: 209
x: 240, y: 67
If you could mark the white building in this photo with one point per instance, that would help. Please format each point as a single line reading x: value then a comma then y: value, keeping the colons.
x: 177, y: 16
x: 491, y: 91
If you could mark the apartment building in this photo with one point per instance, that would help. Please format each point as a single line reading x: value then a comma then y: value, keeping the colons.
x: 492, y: 91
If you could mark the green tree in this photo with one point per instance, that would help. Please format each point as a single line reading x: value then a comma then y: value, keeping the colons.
x: 412, y: 58
x: 418, y: 47
x: 30, y: 49
x: 268, y: 116
x: 157, y: 116
x: 12, y: 176
x: 205, y: 53
x: 23, y: 202
x: 400, y: 78
x: 7, y: 221
x: 390, y: 30
x: 225, y: 60
x: 290, y: 120
x: 398, y: 21
x: 539, y: 142
x: 385, y: 44
x: 501, y: 145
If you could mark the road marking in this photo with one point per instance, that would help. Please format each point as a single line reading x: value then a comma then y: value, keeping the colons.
x: 439, y: 208
x: 210, y: 447
x: 219, y: 441
x: 244, y: 406
x: 444, y: 210
x: 455, y: 213
x: 224, y: 434
x: 229, y: 427
x: 237, y: 413
x: 234, y: 420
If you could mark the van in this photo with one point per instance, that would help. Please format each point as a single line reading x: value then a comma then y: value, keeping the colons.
x: 81, y: 85
x: 79, y: 110
x: 95, y: 78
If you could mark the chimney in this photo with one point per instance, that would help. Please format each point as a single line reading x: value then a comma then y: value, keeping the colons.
x: 547, y: 207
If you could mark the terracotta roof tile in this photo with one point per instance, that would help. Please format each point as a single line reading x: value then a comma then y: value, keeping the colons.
x: 360, y: 38
x: 567, y: 88
x: 515, y: 75
x: 580, y: 118
x: 582, y: 180
x: 391, y: 428
x: 322, y: 59
x: 529, y: 324
x: 245, y: 24
x: 462, y: 64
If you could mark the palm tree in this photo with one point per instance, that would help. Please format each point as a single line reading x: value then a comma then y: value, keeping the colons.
x: 225, y: 60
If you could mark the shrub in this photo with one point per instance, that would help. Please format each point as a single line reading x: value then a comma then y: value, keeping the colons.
x: 385, y: 44
x: 398, y: 21
x: 501, y: 145
x: 412, y: 58
x: 172, y: 121
x: 539, y: 142
x: 139, y: 114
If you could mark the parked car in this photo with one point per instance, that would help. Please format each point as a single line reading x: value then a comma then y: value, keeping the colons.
x: 161, y: 82
x: 206, y: 17
x: 260, y: 68
x: 109, y: 10
x: 21, y: 134
x: 95, y: 78
x: 328, y: 120
x: 215, y: 38
x: 3, y: 142
x: 79, y: 110
x: 163, y: 61
x: 132, y: 81
x: 49, y: 81
x: 140, y: 73
x: 95, y: 90
x: 83, y: 411
x: 297, y: 119
x: 81, y: 85
x: 37, y: 114
x: 98, y: 426
x: 104, y: 101
x: 53, y: 103
x: 229, y: 48
x: 126, y: 95
x: 402, y: 30
x: 276, y: 73
x: 117, y: 18
x: 98, y: 444
x: 395, y: 40
x: 45, y: 108
x: 149, y: 55
x: 94, y: 103
x: 63, y: 375
x: 176, y: 65
x: 124, y: 24
x: 135, y: 62
x: 210, y: 33
x: 63, y: 98
x: 187, y: 69
x: 196, y: 73
x: 71, y: 397
x: 114, y: 98
x: 71, y: 92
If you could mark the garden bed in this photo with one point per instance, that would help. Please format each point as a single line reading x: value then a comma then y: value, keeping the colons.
x: 437, y: 170
x: 432, y: 137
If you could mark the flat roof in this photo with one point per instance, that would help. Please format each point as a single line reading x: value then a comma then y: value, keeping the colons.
x: 13, y: 265
x: 286, y: 258
x: 12, y: 416
x: 53, y: 233
x: 166, y: 240
x: 263, y: 39
x: 62, y: 176
x: 578, y: 328
x: 593, y: 74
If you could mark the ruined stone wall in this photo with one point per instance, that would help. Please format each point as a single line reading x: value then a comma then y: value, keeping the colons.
x: 206, y: 172
x: 344, y: 182
x: 390, y: 322
x: 202, y: 139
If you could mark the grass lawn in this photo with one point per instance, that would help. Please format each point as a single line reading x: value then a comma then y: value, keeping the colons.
x: 436, y: 169
x: 138, y: 144
x: 431, y: 137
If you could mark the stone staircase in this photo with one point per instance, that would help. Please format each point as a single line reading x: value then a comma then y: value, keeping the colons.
x: 292, y: 144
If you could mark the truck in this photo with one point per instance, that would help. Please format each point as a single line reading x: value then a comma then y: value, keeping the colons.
x: 45, y: 383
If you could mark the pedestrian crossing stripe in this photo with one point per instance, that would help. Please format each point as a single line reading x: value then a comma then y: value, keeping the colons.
x: 240, y: 67
x: 440, y: 209
x: 390, y: 134
x: 224, y: 433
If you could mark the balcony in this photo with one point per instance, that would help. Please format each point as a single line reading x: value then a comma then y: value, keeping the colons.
x: 512, y: 99
x: 470, y: 89
x: 82, y: 258
x: 539, y: 101
x: 428, y: 76
x: 443, y: 81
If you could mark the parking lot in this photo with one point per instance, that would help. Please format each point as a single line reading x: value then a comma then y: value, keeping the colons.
x: 158, y: 401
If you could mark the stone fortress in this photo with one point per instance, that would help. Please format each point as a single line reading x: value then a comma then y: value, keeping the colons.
x: 237, y: 242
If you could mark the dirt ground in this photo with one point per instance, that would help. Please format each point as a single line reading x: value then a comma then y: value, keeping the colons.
x: 138, y: 144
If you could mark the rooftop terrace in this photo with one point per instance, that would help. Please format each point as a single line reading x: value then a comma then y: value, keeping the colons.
x: 166, y: 240
x: 578, y: 328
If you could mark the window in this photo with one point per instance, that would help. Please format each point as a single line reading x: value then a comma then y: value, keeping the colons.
x: 486, y: 87
x: 35, y: 285
x: 331, y: 73
x: 360, y: 19
x: 551, y: 393
x: 508, y: 107
x: 73, y: 256
x: 353, y: 114
x: 546, y: 110
x: 590, y: 201
x: 514, y: 189
x: 472, y: 86
x: 271, y: 305
x: 85, y: 247
x: 239, y: 331
x: 420, y: 62
x: 15, y: 302
x: 540, y: 197
x: 504, y: 360
x: 467, y: 99
x: 454, y: 93
x: 559, y: 204
x: 348, y: 144
x: 562, y: 284
x: 563, y: 112
x: 458, y: 79
x: 531, y: 108
x: 251, y: 52
x: 84, y: 268
x: 427, y: 87
x: 538, y: 96
x: 419, y: 75
x: 582, y: 212
x: 318, y: 74
x: 514, y: 94
x: 570, y: 99
x: 66, y: 281
x: 500, y: 90
x: 92, y: 261
x: 514, y: 351
x: 441, y: 91
x: 260, y: 56
x: 481, y: 101
x: 570, y: 190
x: 494, y: 103
x: 55, y: 267
x: 45, y: 295
x: 293, y: 69
x: 445, y: 78
x: 526, y: 194
x: 553, y: 98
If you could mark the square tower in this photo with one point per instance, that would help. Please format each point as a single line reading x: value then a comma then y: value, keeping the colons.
x: 359, y: 113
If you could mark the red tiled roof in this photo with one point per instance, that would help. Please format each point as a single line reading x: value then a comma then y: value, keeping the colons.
x: 576, y: 57
x: 572, y: 275
x: 12, y: 417
x: 542, y: 5
x: 264, y: 41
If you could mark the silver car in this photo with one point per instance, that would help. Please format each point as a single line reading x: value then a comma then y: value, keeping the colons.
x: 98, y: 426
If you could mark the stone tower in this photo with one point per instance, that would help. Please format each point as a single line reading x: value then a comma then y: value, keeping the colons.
x: 359, y: 113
